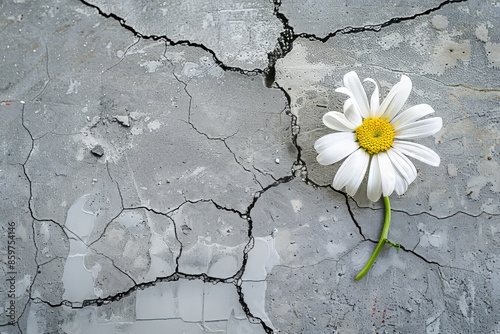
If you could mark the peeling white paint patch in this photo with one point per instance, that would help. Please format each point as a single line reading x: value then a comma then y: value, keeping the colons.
x: 436, y: 239
x: 390, y: 41
x: 492, y: 49
x: 73, y: 86
x: 77, y: 280
x: 452, y: 170
x: 482, y: 32
x: 296, y: 205
x: 433, y: 240
x: 446, y: 54
x: 154, y: 125
x: 151, y: 66
x: 439, y: 22
x: 261, y: 259
x: 493, y: 54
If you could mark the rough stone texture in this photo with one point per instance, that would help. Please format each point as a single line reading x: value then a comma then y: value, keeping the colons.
x: 157, y: 164
x: 213, y: 240
x: 239, y: 33
x: 323, y: 18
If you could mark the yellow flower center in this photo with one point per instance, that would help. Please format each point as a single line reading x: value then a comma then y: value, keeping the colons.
x: 375, y: 135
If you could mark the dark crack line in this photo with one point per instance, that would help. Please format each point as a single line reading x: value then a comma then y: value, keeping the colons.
x: 430, y: 214
x: 178, y: 257
x: 374, y: 27
x: 250, y: 316
x: 114, y: 265
x: 264, y: 173
x: 185, y: 90
x: 30, y: 200
x: 176, y: 276
x: 243, y: 215
x: 351, y: 213
x: 124, y: 55
x: 283, y: 46
x: 412, y: 252
x: 112, y: 219
x: 301, y: 167
x: 222, y: 139
x: 32, y: 213
x: 421, y: 257
x: 128, y: 27
x: 230, y: 151
x: 299, y: 164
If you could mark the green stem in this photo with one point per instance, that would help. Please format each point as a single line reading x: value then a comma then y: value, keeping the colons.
x: 383, y: 240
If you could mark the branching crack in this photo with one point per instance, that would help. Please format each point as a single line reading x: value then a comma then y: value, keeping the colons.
x: 375, y: 27
x: 409, y: 214
x: 169, y: 41
x: 299, y: 168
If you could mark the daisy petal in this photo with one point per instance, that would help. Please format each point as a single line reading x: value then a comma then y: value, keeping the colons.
x: 352, y: 172
x: 417, y: 151
x: 343, y: 90
x: 357, y: 93
x: 403, y: 166
x: 401, y: 185
x: 396, y: 98
x: 374, y: 188
x: 333, y: 139
x: 411, y: 114
x: 336, y: 152
x: 352, y: 114
x: 337, y: 121
x: 375, y: 99
x: 388, y: 174
x: 358, y: 171
x: 419, y: 129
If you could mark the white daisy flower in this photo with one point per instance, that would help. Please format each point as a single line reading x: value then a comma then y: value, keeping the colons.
x: 373, y: 136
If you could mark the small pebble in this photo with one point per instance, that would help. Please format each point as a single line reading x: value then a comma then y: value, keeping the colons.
x: 98, y: 151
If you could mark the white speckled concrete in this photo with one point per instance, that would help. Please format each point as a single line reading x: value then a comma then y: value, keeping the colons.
x: 158, y: 171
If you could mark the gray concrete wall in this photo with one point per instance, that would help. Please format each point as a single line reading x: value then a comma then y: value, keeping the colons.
x: 159, y: 176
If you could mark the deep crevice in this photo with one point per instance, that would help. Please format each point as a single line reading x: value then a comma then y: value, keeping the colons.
x: 171, y: 42
x: 375, y: 27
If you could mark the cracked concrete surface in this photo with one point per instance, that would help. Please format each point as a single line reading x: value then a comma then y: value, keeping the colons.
x: 158, y: 172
